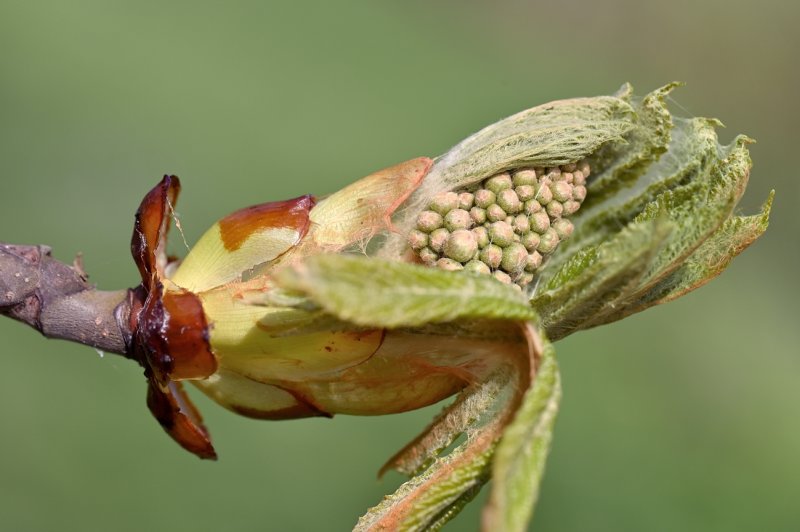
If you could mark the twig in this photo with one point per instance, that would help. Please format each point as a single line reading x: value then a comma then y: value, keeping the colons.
x: 55, y: 299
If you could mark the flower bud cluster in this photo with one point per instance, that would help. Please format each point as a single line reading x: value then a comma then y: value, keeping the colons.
x: 505, y: 226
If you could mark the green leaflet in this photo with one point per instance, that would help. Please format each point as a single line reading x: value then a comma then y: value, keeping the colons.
x: 696, y: 196
x: 519, y: 459
x: 373, y: 292
x: 692, y: 151
x: 598, y: 274
x: 436, y: 494
x: 706, y: 263
x: 697, y: 210
x: 548, y: 135
x: 621, y: 163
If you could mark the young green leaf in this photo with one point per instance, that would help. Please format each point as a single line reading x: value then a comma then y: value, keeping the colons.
x: 520, y: 456
x: 379, y: 293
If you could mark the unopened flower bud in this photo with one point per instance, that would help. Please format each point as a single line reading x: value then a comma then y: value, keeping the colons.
x: 578, y: 179
x: 530, y: 241
x: 449, y: 264
x: 476, y: 266
x: 544, y: 195
x: 461, y: 246
x: 532, y: 206
x: 491, y: 255
x: 481, y: 236
x: 524, y: 177
x: 428, y: 256
x: 567, y: 177
x: 563, y: 228
x: 521, y: 224
x: 495, y: 213
x: 428, y: 221
x: 515, y: 257
x: 509, y: 201
x: 478, y: 215
x: 570, y: 207
x: 571, y: 167
x: 498, y: 183
x: 438, y: 238
x: 417, y: 239
x: 457, y: 219
x: 540, y: 221
x: 548, y: 241
x: 484, y: 198
x: 562, y: 191
x: 555, y: 209
x: 502, y: 276
x: 501, y: 234
x: 524, y: 279
x: 466, y: 200
x: 583, y: 166
x: 534, y: 261
x: 444, y: 202
x: 579, y: 193
x: 526, y: 192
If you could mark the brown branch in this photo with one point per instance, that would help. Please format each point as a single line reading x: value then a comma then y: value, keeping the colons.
x: 55, y: 299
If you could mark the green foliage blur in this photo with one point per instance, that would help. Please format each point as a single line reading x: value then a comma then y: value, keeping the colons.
x: 682, y: 418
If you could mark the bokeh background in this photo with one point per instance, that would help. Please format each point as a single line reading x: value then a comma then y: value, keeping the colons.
x: 686, y: 417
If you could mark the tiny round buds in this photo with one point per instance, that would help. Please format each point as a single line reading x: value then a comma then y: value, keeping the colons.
x: 461, y: 246
x: 498, y: 183
x: 563, y: 228
x: 509, y: 201
x: 428, y: 221
x: 524, y: 177
x: 524, y: 279
x: 502, y: 276
x: 437, y: 239
x: 570, y: 207
x: 478, y: 215
x: 534, y: 261
x: 417, y: 239
x: 548, y: 242
x: 491, y: 255
x: 554, y: 209
x: 544, y: 195
x: 562, y: 191
x: 466, y: 200
x: 495, y: 213
x: 481, y: 236
x: 525, y: 192
x: 449, y: 264
x: 505, y: 226
x: 457, y: 219
x: 532, y: 206
x: 444, y: 202
x: 484, y: 198
x: 428, y: 256
x: 530, y: 241
x: 522, y: 224
x: 476, y: 266
x: 501, y: 234
x: 515, y: 257
x: 540, y: 222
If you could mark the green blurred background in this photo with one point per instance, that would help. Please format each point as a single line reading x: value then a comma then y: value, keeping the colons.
x: 683, y: 418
